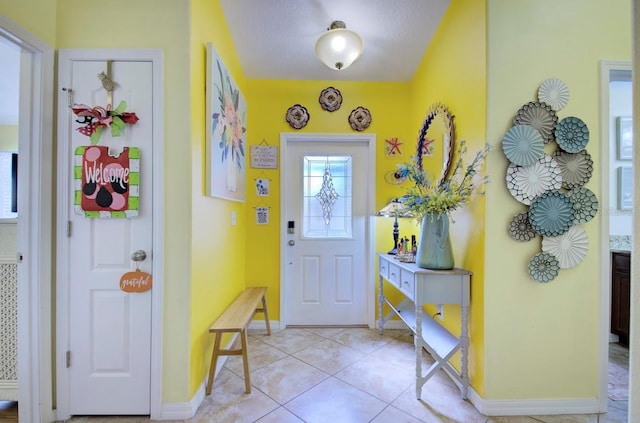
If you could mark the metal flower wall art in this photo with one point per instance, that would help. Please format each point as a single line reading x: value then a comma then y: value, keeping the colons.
x: 549, y: 178
x: 360, y: 118
x: 330, y: 99
x: 95, y: 119
x: 297, y: 116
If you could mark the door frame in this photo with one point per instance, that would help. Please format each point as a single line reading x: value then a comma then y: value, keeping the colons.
x: 606, y: 66
x: 155, y: 56
x: 287, y: 138
x: 35, y: 130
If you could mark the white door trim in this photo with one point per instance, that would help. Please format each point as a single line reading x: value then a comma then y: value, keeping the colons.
x: 605, y: 259
x: 370, y: 140
x: 34, y: 220
x: 64, y: 202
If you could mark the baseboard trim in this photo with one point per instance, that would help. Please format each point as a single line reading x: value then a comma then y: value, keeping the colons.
x: 181, y: 410
x: 9, y: 390
x: 275, y: 325
x: 533, y: 407
x: 186, y: 410
x: 259, y: 325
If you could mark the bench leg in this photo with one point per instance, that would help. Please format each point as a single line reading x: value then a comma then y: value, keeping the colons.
x: 214, y: 361
x: 266, y: 315
x: 245, y: 361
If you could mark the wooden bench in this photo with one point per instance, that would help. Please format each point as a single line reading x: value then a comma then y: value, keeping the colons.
x: 236, y: 318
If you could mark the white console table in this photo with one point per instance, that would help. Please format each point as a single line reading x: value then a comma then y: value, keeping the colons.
x: 423, y: 286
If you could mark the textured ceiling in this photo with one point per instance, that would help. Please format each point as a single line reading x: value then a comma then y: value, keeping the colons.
x: 275, y: 39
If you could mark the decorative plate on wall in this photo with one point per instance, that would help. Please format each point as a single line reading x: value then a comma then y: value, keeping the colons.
x: 554, y: 92
x: 543, y: 267
x: 551, y: 213
x: 297, y: 116
x: 330, y: 99
x: 520, y: 228
x: 572, y: 134
x: 570, y: 248
x: 527, y: 182
x: 360, y: 118
x: 585, y: 204
x: 576, y: 168
x: 523, y: 145
x: 539, y: 115
x: 395, y: 177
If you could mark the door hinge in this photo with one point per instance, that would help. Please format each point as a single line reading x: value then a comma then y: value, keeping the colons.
x: 68, y: 359
x: 68, y: 229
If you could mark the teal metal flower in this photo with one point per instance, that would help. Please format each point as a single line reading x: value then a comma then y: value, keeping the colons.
x: 572, y: 134
x: 543, y: 267
x: 585, y: 204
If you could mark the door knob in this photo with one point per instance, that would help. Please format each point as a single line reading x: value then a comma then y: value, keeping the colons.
x: 292, y: 243
x: 139, y: 255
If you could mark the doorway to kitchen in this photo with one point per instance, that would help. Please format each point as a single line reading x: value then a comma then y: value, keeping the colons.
x: 616, y: 227
x: 33, y: 228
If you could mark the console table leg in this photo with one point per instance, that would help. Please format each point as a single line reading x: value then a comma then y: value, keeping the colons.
x: 464, y: 341
x: 380, y: 303
x: 418, y: 345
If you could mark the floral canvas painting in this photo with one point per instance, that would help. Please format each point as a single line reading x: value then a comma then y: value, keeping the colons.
x: 226, y: 132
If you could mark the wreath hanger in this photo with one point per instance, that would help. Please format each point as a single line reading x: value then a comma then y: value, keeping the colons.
x: 95, y: 119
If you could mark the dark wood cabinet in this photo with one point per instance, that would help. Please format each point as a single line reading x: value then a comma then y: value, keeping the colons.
x: 620, y: 294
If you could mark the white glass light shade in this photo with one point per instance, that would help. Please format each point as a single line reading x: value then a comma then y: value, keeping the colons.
x: 339, y: 48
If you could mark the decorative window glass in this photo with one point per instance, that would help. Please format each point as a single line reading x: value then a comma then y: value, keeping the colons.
x: 327, y: 197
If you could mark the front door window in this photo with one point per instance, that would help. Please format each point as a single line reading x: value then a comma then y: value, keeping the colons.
x: 327, y: 197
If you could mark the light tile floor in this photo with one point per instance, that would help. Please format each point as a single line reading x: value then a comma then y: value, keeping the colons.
x: 339, y: 375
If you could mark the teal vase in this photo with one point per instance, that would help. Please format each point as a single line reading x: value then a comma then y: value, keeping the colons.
x: 434, y: 248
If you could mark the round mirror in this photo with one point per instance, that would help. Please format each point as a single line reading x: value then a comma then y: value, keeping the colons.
x: 436, y: 138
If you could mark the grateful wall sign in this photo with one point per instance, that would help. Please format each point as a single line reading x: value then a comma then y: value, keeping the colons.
x: 106, y: 185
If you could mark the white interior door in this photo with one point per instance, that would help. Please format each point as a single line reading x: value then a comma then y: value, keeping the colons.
x: 326, y: 199
x: 109, y: 339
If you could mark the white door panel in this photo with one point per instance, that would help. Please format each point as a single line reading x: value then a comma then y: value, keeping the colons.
x: 326, y: 273
x: 109, y: 329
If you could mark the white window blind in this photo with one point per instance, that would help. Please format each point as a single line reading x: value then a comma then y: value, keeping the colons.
x: 7, y: 181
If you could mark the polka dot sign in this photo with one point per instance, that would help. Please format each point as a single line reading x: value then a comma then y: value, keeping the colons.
x: 106, y: 186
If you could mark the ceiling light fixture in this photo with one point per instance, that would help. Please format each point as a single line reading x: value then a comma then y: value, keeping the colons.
x: 339, y: 47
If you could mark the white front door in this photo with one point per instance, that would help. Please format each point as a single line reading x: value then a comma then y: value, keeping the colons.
x: 109, y: 330
x: 326, y: 197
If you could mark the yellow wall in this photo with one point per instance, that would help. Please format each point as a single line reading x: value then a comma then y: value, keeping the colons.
x: 541, y: 339
x: 268, y: 103
x: 8, y: 137
x: 453, y: 72
x: 35, y: 16
x: 161, y: 24
x: 217, y: 253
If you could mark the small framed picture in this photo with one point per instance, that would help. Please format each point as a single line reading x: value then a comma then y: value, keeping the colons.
x: 262, y: 187
x: 625, y: 188
x: 624, y: 134
x: 262, y: 215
